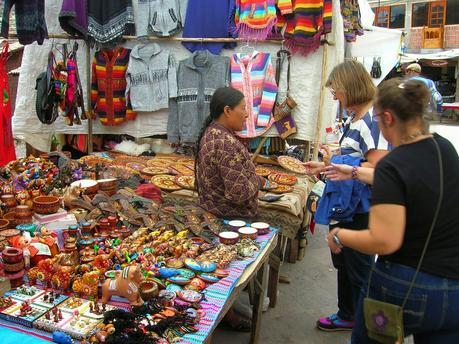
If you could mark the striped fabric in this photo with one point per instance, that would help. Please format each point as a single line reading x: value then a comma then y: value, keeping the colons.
x: 362, y: 136
x: 108, y: 87
x: 285, y: 6
x: 255, y: 19
x: 310, y: 20
x: 254, y: 76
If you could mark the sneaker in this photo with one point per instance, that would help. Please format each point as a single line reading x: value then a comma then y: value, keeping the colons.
x: 334, y: 323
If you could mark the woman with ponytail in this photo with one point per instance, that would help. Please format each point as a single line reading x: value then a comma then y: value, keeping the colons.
x: 225, y: 175
x: 413, y: 226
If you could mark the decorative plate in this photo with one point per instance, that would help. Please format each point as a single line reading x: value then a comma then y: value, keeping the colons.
x: 174, y: 263
x: 136, y: 166
x: 159, y: 162
x: 209, y: 278
x: 292, y: 164
x: 190, y: 263
x: 154, y: 171
x: 182, y: 170
x: 186, y: 273
x: 174, y: 287
x: 197, y: 284
x: 168, y: 295
x: 186, y: 161
x: 165, y: 182
x: 160, y: 283
x: 281, y: 189
x: 92, y: 160
x: 186, y: 182
x: 220, y: 273
x: 121, y: 171
x: 190, y: 295
x: 207, y: 266
x: 178, y: 280
x: 167, y: 272
x: 263, y: 171
x: 282, y: 178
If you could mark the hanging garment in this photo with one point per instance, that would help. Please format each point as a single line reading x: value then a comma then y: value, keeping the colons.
x: 109, y: 20
x: 303, y: 29
x: 47, y: 100
x: 254, y: 76
x: 7, y: 150
x: 151, y: 78
x: 108, y: 87
x: 350, y: 11
x: 159, y: 17
x: 209, y: 19
x: 30, y: 20
x: 197, y: 79
x: 74, y: 17
x: 255, y: 19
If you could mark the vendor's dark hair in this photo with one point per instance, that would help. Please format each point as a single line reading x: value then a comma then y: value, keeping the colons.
x: 407, y: 99
x: 222, y: 97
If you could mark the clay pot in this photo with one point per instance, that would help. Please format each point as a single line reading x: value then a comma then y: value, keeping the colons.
x: 236, y: 224
x: 107, y: 184
x: 4, y: 224
x: 88, y: 186
x: 16, y: 279
x: 248, y: 233
x: 229, y: 238
x: 11, y: 217
x: 148, y: 289
x: 23, y: 221
x: 125, y: 232
x: 12, y: 255
x: 23, y: 211
x: 263, y: 228
x: 9, y: 200
x: 15, y: 267
x: 46, y: 204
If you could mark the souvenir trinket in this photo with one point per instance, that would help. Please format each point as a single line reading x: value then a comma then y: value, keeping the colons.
x: 125, y: 285
x: 283, y: 179
x: 220, y: 273
x: 148, y: 289
x: 236, y: 224
x: 178, y: 280
x: 46, y: 204
x: 190, y: 295
x: 192, y: 264
x: 198, y: 284
x: 186, y: 273
x: 263, y: 171
x: 167, y: 272
x: 209, y: 278
x: 174, y: 287
x: 248, y: 233
x: 207, y: 266
x: 263, y: 228
x: 292, y: 164
x: 174, y: 263
x: 228, y: 238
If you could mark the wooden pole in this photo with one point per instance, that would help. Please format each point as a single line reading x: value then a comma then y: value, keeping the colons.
x: 260, y: 146
x: 88, y: 92
x: 321, y: 105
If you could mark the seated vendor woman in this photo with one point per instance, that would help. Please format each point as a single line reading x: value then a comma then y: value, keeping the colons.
x: 225, y: 175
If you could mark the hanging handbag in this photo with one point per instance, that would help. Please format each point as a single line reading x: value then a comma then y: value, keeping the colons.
x: 46, y: 101
x: 283, y: 118
x: 384, y: 321
x: 376, y: 68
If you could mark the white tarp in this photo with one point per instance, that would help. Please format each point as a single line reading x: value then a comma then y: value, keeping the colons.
x: 442, y: 55
x: 304, y: 86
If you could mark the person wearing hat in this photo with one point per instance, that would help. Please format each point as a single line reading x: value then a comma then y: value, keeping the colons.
x: 413, y: 71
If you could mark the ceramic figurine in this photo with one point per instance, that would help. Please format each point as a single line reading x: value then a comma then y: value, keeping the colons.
x: 42, y: 272
x: 62, y: 278
x: 87, y: 284
x: 125, y: 285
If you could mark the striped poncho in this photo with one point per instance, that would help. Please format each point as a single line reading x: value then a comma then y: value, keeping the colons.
x: 255, y: 19
x: 310, y: 20
x: 254, y: 76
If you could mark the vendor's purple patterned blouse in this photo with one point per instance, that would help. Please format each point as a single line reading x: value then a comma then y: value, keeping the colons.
x: 228, y: 184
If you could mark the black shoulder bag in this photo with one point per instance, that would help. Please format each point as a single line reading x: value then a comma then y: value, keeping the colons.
x: 374, y: 311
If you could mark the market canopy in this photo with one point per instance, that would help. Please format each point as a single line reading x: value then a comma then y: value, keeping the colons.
x: 441, y: 55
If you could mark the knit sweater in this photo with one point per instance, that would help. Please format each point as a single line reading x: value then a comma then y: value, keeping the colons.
x: 255, y: 19
x: 254, y: 76
x: 160, y: 17
x: 303, y: 29
x: 151, y: 77
x: 108, y: 86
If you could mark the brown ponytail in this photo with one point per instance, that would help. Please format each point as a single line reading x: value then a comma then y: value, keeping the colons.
x: 408, y: 100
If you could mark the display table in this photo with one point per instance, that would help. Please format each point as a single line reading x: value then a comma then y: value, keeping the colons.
x: 219, y: 298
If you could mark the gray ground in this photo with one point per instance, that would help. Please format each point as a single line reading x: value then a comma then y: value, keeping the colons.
x: 312, y: 293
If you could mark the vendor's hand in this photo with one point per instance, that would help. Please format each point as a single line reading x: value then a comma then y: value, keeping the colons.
x: 314, y: 167
x: 327, y: 154
x: 338, y: 172
x: 333, y: 247
x: 269, y: 185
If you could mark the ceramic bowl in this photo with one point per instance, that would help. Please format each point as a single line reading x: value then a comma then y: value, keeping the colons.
x: 23, y: 221
x: 46, y: 204
x: 148, y: 289
x: 11, y: 217
x: 88, y: 186
x: 23, y: 211
x: 4, y: 224
x: 9, y: 200
x: 12, y: 255
x: 236, y: 224
x: 107, y: 184
x: 207, y: 266
x: 263, y: 228
x: 248, y: 233
x: 229, y: 238
x: 15, y: 267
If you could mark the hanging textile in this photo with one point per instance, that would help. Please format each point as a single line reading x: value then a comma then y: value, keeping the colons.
x: 109, y: 20
x: 217, y: 20
x: 30, y: 20
x: 74, y: 17
x: 108, y: 87
x: 303, y: 30
x: 350, y: 11
x: 7, y: 151
x: 161, y: 18
x: 254, y: 76
x: 255, y: 19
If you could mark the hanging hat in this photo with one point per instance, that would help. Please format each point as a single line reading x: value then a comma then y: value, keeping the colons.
x: 416, y: 67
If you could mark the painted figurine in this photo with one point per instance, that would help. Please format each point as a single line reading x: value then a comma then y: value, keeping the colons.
x: 125, y: 285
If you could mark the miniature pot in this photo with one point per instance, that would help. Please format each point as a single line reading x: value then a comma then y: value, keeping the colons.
x: 229, y: 238
x: 148, y: 289
x: 11, y: 217
x: 23, y: 211
x: 9, y: 200
x: 15, y: 267
x: 10, y: 233
x: 12, y: 255
x: 88, y: 186
x: 263, y: 228
x: 248, y: 233
x: 4, y: 224
x: 46, y: 204
x: 236, y: 224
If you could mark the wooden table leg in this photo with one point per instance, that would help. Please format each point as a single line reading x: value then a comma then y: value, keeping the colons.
x: 260, y: 284
x: 274, y: 272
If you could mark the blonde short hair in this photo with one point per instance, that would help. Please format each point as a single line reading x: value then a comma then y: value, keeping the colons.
x: 352, y: 78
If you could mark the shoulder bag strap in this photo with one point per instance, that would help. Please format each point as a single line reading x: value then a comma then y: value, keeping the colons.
x: 434, y: 222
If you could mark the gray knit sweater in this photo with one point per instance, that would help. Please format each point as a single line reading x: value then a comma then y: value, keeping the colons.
x: 151, y: 78
x: 159, y: 17
x: 197, y: 79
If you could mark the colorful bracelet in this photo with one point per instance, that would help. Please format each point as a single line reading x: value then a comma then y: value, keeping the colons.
x: 354, y: 172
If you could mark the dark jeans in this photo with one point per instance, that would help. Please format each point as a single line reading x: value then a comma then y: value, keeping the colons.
x: 431, y: 313
x: 353, y: 268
